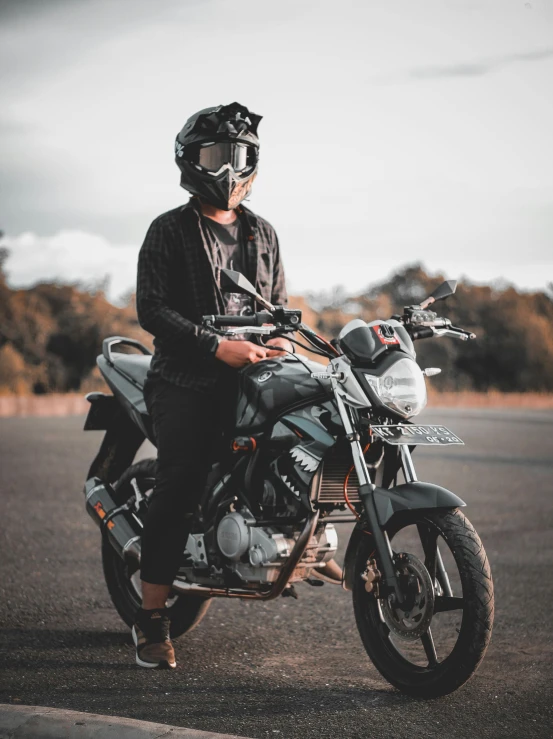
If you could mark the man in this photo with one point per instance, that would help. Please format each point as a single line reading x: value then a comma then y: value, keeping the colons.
x: 190, y: 387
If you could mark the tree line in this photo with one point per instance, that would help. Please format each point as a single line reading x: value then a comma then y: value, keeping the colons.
x: 513, y: 351
x: 50, y: 334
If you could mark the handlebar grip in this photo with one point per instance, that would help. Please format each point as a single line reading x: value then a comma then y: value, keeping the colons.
x: 424, y: 332
x: 256, y: 319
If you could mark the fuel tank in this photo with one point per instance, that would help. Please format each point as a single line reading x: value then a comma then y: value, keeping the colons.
x: 272, y: 387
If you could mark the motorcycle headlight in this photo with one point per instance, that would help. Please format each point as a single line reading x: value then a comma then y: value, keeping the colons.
x: 401, y: 388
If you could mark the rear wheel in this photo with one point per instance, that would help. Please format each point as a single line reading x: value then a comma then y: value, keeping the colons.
x: 185, y: 611
x: 434, y: 645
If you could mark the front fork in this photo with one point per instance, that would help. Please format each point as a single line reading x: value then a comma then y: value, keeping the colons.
x: 389, y: 583
x: 411, y: 476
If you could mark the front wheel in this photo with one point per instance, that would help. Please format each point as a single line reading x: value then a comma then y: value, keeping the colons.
x: 436, y: 642
x: 184, y: 611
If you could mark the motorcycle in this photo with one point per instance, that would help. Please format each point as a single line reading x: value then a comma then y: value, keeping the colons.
x: 315, y: 445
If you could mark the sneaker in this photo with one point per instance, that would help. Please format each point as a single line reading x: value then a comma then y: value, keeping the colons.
x: 153, y: 644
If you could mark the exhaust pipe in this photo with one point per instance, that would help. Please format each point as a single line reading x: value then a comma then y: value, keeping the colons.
x: 116, y: 522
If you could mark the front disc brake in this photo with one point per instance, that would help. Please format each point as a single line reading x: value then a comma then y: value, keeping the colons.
x: 372, y: 577
x: 413, y: 620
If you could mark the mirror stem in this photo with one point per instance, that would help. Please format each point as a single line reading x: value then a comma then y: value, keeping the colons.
x: 427, y: 302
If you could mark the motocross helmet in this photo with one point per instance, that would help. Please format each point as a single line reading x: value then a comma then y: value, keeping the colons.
x: 217, y: 153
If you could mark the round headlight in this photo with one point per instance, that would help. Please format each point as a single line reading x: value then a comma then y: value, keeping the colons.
x: 401, y: 388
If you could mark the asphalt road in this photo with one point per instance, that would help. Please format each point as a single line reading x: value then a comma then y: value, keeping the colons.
x: 287, y: 669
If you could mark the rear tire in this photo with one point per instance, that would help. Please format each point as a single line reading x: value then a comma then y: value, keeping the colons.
x: 185, y: 611
x: 437, y: 678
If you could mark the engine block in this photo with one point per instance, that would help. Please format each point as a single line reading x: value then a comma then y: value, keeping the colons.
x: 256, y: 553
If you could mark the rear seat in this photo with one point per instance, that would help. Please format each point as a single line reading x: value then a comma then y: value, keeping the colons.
x: 135, y: 366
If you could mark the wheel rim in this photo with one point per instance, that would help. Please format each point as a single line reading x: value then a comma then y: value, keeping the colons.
x: 412, y: 621
x: 433, y: 623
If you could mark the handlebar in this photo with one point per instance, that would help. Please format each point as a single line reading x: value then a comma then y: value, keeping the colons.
x: 424, y: 332
x: 283, y: 320
x: 423, y: 324
x: 280, y: 321
x: 255, y: 319
x: 280, y: 317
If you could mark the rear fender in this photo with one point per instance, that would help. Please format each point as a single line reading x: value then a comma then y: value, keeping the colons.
x: 101, y: 412
x: 121, y: 441
x: 400, y: 500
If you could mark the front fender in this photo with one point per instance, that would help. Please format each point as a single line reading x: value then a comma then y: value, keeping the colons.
x: 412, y: 496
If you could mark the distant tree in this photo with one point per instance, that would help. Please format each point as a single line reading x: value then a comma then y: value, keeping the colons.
x: 4, y: 254
x: 514, y: 346
x: 54, y: 332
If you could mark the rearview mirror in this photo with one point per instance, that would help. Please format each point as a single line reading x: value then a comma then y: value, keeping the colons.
x: 442, y: 292
x: 235, y: 282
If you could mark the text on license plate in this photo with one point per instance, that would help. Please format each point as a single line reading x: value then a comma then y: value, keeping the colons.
x: 412, y: 434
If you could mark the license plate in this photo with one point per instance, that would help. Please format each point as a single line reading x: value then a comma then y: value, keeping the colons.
x: 411, y: 434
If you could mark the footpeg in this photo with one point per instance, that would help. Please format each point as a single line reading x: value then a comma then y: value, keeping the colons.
x: 331, y: 572
x: 290, y: 592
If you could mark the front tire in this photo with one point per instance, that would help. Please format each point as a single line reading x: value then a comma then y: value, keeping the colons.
x: 185, y: 611
x: 414, y: 664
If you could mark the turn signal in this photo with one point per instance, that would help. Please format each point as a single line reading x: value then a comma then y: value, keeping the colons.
x: 244, y: 444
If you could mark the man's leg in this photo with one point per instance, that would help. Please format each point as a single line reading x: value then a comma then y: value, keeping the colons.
x: 185, y: 423
x: 154, y: 596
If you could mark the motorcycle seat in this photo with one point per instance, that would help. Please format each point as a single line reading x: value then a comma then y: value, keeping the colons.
x: 135, y: 366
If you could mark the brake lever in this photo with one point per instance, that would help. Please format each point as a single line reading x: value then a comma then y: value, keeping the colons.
x: 455, y: 333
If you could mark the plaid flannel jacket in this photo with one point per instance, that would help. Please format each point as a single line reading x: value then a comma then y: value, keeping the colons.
x: 177, y: 285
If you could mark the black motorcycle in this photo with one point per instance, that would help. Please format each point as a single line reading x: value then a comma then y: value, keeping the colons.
x: 314, y: 445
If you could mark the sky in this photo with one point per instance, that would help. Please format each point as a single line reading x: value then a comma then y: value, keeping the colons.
x: 392, y: 132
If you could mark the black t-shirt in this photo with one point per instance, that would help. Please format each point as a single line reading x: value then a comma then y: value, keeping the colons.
x: 230, y: 254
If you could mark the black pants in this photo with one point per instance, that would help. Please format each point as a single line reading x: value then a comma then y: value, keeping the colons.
x: 188, y: 427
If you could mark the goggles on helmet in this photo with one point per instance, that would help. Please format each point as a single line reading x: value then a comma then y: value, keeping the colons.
x: 214, y: 158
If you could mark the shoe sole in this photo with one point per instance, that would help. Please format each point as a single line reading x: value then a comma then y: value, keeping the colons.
x: 161, y: 665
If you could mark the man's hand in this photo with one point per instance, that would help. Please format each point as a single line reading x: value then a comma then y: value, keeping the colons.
x: 280, y: 342
x: 240, y: 353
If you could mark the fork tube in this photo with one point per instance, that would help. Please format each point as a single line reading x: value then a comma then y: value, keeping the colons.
x: 411, y: 476
x: 366, y: 490
x: 407, y: 463
x: 352, y: 436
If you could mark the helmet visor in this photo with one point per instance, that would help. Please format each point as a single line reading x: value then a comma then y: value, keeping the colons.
x: 214, y: 158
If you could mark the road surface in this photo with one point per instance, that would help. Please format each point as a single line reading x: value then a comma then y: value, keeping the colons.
x: 287, y: 669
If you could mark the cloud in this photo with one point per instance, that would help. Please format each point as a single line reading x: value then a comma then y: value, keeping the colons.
x: 479, y: 68
x: 71, y: 256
